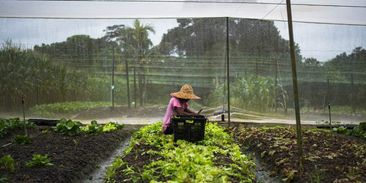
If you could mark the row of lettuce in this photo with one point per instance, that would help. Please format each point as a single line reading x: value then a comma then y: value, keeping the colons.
x: 152, y: 156
x: 357, y: 131
x: 10, y: 127
x: 64, y: 126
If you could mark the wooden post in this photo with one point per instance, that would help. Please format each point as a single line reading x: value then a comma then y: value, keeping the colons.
x: 294, y: 84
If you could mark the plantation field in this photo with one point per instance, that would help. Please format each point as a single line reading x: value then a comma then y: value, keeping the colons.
x: 66, y: 153
x: 328, y: 156
x: 73, y: 152
x: 153, y: 156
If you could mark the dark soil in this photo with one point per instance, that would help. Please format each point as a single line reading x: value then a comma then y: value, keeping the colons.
x: 328, y: 157
x: 74, y: 157
x: 138, y: 158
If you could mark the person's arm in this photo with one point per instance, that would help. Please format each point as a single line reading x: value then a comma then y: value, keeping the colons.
x: 181, y: 111
x: 192, y: 112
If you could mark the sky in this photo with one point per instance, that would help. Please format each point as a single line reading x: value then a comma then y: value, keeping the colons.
x: 29, y: 32
x: 36, y: 22
x: 315, y: 40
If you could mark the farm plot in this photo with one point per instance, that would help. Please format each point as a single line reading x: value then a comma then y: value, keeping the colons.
x: 67, y: 153
x: 153, y: 156
x: 328, y: 156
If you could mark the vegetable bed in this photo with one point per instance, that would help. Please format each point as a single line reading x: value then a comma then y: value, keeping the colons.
x: 328, y: 157
x: 66, y: 153
x: 153, y: 156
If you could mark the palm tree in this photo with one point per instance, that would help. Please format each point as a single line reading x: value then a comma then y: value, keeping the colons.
x: 140, y: 34
x: 135, y: 43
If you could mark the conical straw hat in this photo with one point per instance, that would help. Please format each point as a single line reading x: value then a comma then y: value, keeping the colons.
x: 186, y: 92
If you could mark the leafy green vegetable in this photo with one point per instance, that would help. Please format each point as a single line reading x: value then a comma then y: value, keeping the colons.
x: 112, y: 126
x: 7, y: 125
x: 22, y: 139
x: 7, y: 162
x: 185, y: 161
x: 68, y: 127
x: 94, y: 127
x: 39, y: 160
x: 357, y: 131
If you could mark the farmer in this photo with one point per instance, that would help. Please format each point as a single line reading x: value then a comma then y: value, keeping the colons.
x: 178, y: 105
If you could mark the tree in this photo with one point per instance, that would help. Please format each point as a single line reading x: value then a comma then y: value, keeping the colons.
x: 311, y: 62
x: 79, y: 51
x: 134, y: 42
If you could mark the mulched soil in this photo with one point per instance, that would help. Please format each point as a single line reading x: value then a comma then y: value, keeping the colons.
x: 74, y: 157
x: 328, y: 157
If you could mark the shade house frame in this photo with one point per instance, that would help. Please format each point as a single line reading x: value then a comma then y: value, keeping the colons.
x: 304, y: 12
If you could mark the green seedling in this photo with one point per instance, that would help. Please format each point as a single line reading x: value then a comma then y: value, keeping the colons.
x: 39, y: 160
x: 7, y: 162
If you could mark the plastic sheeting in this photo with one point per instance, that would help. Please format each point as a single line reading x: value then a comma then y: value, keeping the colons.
x: 330, y: 12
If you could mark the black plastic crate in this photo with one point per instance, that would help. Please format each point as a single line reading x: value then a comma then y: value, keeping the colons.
x: 190, y: 128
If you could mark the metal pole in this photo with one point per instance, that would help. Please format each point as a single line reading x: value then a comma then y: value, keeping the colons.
x: 25, y: 126
x: 113, y: 78
x: 134, y: 86
x: 128, y: 85
x: 228, y: 70
x: 352, y: 95
x: 295, y: 88
x: 276, y: 79
x: 330, y: 116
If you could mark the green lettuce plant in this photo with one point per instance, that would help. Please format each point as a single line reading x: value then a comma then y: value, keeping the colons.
x: 7, y: 162
x: 39, y: 160
x: 185, y: 161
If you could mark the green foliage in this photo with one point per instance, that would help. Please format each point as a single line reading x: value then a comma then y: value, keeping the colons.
x: 7, y: 162
x: 36, y: 73
x: 39, y: 160
x: 3, y: 179
x: 22, y: 139
x: 185, y: 161
x: 112, y: 126
x: 7, y: 125
x: 80, y: 49
x: 49, y: 110
x: 254, y: 93
x: 94, y: 127
x: 68, y: 127
x: 363, y: 126
x: 255, y: 36
x: 111, y: 170
x: 340, y: 129
x: 277, y: 147
x: 357, y: 132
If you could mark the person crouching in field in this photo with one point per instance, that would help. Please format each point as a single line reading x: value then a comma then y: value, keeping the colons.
x: 178, y: 105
